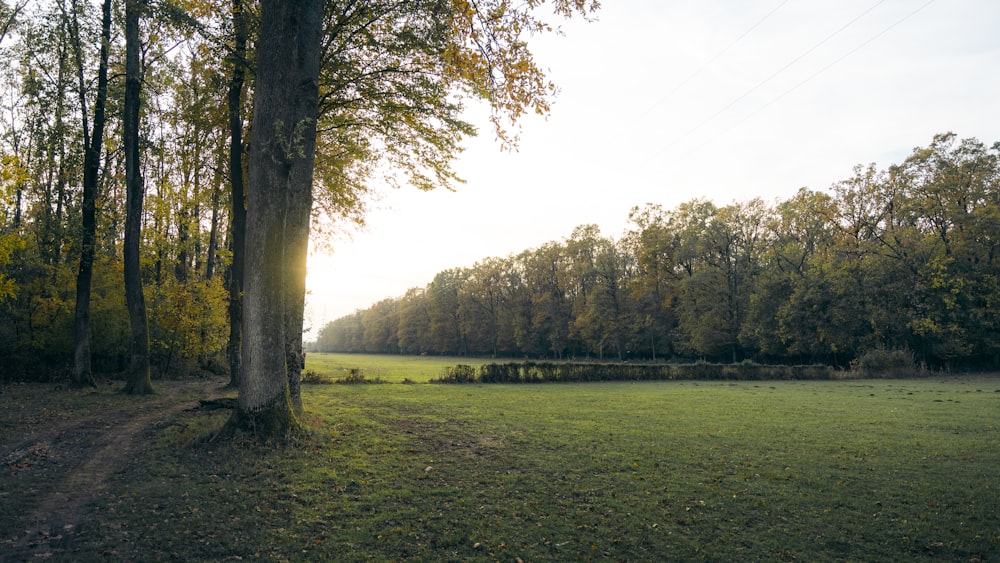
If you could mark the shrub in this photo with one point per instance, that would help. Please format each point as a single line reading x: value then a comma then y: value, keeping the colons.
x: 312, y: 378
x: 881, y: 362
x: 548, y: 372
x: 460, y: 373
x: 356, y: 376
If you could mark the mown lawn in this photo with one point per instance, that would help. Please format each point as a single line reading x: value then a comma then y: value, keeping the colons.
x: 895, y: 470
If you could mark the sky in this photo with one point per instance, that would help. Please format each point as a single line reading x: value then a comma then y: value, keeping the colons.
x: 664, y: 101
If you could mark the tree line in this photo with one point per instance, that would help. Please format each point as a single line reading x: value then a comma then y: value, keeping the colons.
x: 902, y: 259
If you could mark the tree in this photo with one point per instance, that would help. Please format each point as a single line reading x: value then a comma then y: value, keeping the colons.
x: 548, y: 280
x: 414, y: 322
x: 93, y: 144
x: 284, y: 126
x: 600, y: 308
x: 138, y: 380
x: 483, y: 297
x: 951, y: 195
x: 379, y: 326
x: 238, y: 212
x: 789, y: 311
x: 445, y: 331
x: 654, y: 247
x: 468, y: 48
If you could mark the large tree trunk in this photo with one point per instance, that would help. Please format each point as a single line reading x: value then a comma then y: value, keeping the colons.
x: 284, y: 126
x: 82, y: 374
x: 238, y: 227
x: 138, y: 372
x: 296, y: 256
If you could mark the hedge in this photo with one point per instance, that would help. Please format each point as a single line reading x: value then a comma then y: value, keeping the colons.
x: 566, y: 372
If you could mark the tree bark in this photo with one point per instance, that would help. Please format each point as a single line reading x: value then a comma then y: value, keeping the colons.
x: 82, y: 374
x: 296, y: 256
x: 238, y: 225
x: 284, y: 147
x: 138, y: 373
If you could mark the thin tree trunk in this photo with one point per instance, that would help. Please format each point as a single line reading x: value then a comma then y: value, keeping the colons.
x: 138, y: 372
x: 56, y: 222
x: 181, y: 265
x: 284, y: 125
x: 213, y: 231
x: 18, y: 196
x: 82, y: 374
x: 238, y: 228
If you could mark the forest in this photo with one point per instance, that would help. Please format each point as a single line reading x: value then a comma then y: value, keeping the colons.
x: 902, y: 259
x: 64, y: 179
x: 127, y: 165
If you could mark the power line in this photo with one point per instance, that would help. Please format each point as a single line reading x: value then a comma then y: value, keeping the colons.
x: 765, y: 81
x: 815, y: 74
x: 725, y: 50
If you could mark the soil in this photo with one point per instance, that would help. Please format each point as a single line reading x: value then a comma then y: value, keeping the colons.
x: 60, y: 460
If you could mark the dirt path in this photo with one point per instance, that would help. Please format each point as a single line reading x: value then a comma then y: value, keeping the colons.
x: 72, y: 459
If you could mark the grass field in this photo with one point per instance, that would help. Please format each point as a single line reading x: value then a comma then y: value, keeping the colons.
x: 389, y: 369
x: 870, y: 470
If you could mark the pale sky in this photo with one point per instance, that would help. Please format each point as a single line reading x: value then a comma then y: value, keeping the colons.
x: 663, y: 101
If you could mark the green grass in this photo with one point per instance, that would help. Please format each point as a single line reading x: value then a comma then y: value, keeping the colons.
x: 851, y: 470
x: 389, y: 369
